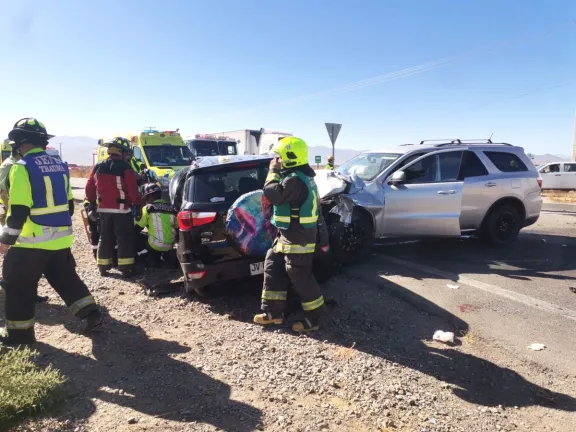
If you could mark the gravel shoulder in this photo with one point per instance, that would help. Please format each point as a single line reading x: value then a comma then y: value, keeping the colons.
x: 175, y: 364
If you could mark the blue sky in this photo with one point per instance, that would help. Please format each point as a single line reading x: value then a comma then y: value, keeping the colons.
x: 100, y: 68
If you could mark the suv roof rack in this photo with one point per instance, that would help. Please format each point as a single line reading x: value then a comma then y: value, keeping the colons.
x: 447, y: 142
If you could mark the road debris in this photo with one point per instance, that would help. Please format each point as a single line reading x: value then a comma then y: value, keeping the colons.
x: 573, y: 289
x: 537, y: 347
x: 451, y: 286
x: 442, y: 336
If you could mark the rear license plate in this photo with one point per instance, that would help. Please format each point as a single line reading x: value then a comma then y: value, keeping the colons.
x: 256, y: 268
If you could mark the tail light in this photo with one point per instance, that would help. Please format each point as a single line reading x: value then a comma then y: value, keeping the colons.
x: 539, y: 182
x: 196, y: 275
x: 189, y: 219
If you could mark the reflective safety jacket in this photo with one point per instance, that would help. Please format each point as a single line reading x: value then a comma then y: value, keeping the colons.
x: 159, y: 219
x: 41, y: 203
x: 294, y: 195
x: 305, y: 214
x: 113, y: 186
x: 329, y: 167
x: 4, y: 182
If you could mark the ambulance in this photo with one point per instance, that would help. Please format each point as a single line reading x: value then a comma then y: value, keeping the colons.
x: 162, y: 152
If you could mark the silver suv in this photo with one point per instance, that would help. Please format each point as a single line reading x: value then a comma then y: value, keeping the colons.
x: 444, y: 188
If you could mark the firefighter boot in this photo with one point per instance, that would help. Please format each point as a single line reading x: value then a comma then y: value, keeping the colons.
x: 93, y: 322
x: 267, y: 318
x: 305, y: 326
x: 19, y: 337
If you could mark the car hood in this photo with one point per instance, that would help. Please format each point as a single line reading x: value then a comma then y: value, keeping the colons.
x: 331, y: 183
x: 169, y: 172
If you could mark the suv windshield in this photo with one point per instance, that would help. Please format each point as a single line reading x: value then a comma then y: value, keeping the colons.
x: 204, y: 148
x: 367, y: 165
x: 168, y: 155
x: 227, y: 186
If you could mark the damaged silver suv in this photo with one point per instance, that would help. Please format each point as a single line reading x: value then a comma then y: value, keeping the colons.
x: 445, y: 188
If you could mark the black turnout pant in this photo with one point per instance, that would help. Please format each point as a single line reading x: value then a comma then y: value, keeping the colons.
x: 282, y: 271
x: 116, y: 229
x: 23, y: 268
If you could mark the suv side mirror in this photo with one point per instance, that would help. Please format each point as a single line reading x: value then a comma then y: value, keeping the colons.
x: 398, y: 177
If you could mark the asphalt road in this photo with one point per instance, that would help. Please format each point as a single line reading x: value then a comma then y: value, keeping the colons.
x: 514, y: 297
x: 78, y: 185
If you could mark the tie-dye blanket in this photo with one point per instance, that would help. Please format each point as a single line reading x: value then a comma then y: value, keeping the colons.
x: 248, y: 223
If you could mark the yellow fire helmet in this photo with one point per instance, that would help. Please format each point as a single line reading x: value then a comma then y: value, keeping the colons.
x: 293, y: 151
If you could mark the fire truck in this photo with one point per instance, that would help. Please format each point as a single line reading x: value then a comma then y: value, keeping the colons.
x: 211, y: 145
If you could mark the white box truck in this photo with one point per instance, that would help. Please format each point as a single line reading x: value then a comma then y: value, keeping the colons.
x: 254, y: 142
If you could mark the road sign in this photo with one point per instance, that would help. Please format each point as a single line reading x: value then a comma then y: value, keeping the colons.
x: 333, y: 131
x: 318, y: 159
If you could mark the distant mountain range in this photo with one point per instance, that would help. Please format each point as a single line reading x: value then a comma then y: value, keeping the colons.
x: 78, y: 150
x: 547, y: 158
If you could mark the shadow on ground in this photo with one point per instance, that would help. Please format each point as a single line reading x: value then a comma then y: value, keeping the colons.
x: 532, y: 256
x: 134, y: 371
x: 366, y: 318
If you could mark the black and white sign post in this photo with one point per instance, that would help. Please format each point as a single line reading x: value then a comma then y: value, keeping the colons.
x: 333, y: 131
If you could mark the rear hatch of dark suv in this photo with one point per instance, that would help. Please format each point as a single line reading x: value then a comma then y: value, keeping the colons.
x: 206, y: 252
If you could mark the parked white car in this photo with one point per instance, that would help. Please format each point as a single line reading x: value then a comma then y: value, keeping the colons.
x: 558, y: 175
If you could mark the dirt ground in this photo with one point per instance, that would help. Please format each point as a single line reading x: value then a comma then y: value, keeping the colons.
x: 178, y: 364
x: 561, y: 196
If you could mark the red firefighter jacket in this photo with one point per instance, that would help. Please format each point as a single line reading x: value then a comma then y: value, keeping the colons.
x: 113, y: 186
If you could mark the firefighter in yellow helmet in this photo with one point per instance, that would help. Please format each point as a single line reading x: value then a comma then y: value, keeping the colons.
x: 330, y: 164
x: 291, y: 189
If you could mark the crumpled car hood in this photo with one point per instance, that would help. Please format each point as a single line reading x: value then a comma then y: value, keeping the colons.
x: 329, y: 185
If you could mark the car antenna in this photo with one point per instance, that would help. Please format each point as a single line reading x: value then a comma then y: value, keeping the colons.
x: 490, y: 139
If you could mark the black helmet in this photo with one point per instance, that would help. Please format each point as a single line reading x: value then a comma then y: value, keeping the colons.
x: 151, y: 188
x: 120, y: 143
x: 29, y: 130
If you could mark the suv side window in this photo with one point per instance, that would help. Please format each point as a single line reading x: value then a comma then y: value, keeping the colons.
x: 473, y: 166
x: 409, y: 159
x: 450, y: 165
x: 506, y: 162
x: 423, y: 171
x: 570, y: 167
x: 443, y: 167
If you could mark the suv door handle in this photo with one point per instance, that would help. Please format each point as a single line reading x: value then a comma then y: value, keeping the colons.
x: 490, y: 184
x: 446, y: 192
x: 557, y: 175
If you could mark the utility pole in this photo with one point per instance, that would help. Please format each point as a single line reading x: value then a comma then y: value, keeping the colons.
x: 61, y: 157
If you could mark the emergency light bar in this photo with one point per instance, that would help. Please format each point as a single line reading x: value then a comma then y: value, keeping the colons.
x: 163, y: 134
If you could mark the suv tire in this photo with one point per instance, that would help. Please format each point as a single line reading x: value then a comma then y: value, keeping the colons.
x: 353, y: 243
x: 502, y: 226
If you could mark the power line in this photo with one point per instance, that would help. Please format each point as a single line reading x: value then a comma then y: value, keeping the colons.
x: 403, y: 73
